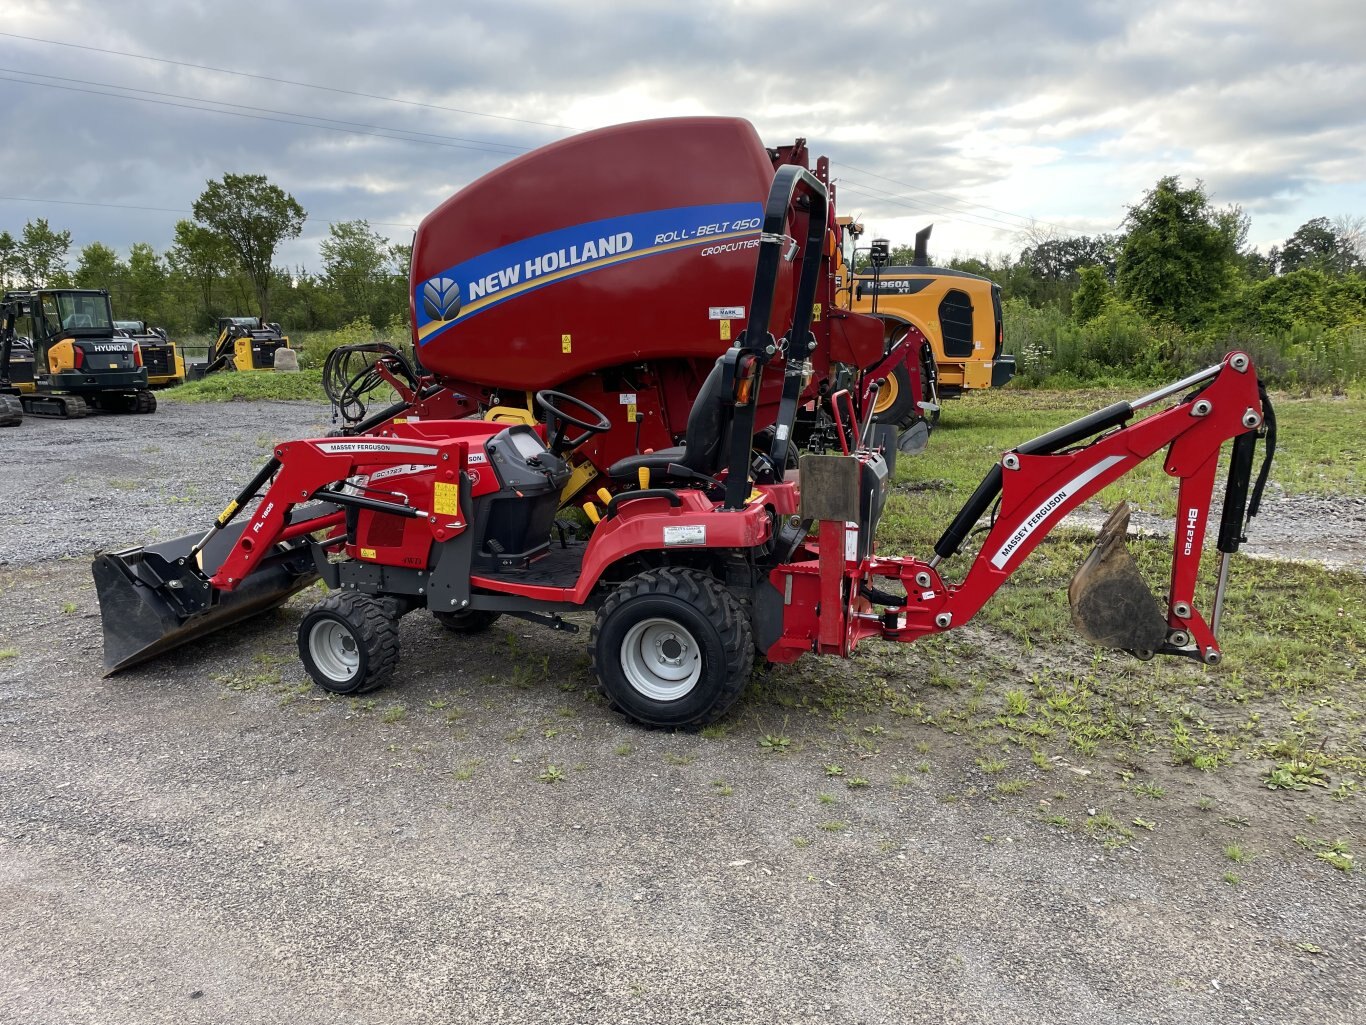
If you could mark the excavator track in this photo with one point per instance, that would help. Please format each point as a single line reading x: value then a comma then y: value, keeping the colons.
x: 55, y: 407
x: 11, y: 411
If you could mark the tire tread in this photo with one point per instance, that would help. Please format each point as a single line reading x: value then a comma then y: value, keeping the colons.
x: 710, y: 598
x: 376, y: 628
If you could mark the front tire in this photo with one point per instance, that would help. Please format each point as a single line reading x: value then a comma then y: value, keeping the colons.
x: 349, y: 642
x: 895, y: 402
x: 672, y: 647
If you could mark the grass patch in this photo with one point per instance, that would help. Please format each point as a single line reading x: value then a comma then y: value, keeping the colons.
x: 234, y: 386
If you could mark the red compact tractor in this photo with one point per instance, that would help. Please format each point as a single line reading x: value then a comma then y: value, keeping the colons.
x: 710, y: 552
x: 616, y: 266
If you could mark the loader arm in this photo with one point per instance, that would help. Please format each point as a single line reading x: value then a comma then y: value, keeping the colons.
x: 318, y: 469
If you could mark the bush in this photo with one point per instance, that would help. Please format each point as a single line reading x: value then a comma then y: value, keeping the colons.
x: 313, y: 346
x: 1117, y: 342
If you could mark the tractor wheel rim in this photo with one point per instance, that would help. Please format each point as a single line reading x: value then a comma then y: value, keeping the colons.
x: 334, y: 650
x: 661, y: 659
x: 886, y: 395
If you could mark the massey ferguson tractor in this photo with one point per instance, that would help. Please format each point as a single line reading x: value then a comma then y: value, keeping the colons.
x: 709, y: 554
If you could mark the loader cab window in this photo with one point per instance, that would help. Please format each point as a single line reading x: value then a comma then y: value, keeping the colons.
x: 955, y: 323
x: 83, y: 312
x: 52, y: 320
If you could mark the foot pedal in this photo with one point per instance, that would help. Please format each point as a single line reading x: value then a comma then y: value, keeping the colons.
x: 1111, y: 603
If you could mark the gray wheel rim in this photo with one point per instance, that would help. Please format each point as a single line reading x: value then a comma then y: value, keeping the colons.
x: 334, y: 650
x: 661, y: 659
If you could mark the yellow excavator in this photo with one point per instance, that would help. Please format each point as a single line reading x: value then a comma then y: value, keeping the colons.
x: 61, y: 356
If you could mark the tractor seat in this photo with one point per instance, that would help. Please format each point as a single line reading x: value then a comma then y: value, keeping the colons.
x: 701, y: 446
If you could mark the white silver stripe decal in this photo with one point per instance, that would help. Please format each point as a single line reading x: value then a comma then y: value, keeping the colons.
x: 337, y: 447
x: 1040, y: 515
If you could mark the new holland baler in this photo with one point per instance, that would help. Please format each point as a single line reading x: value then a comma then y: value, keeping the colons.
x: 710, y: 552
x: 615, y: 266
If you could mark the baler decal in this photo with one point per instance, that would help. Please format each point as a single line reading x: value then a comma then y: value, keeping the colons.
x: 490, y: 278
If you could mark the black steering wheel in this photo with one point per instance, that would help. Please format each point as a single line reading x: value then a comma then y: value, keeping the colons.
x: 557, y: 421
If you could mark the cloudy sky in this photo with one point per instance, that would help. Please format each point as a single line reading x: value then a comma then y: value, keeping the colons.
x: 983, y: 116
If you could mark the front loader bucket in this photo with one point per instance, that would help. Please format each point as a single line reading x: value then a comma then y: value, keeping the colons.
x: 1111, y: 602
x: 150, y: 603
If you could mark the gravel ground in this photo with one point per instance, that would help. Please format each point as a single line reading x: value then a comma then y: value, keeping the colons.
x: 107, y: 481
x: 207, y: 838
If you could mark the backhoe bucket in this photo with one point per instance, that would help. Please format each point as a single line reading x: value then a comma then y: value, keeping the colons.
x: 151, y: 603
x: 1111, y: 602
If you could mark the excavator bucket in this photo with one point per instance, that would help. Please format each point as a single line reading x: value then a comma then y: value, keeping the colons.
x: 152, y: 600
x: 1111, y: 603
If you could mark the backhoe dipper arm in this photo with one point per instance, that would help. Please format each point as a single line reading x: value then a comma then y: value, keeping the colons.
x: 1043, y: 480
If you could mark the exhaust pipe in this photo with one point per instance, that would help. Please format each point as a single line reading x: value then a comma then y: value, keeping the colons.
x: 922, y: 246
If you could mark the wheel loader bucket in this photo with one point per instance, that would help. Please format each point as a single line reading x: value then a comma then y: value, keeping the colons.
x: 1111, y: 603
x: 150, y: 602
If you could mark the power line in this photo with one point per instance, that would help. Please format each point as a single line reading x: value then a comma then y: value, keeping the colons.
x: 286, y: 81
x: 264, y: 110
x: 954, y: 199
x: 473, y: 113
x: 171, y: 210
x: 919, y: 206
x: 254, y: 117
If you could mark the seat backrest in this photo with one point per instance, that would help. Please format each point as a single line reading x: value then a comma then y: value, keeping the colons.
x: 706, y: 425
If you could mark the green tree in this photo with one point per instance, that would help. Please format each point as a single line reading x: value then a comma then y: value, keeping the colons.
x: 1305, y: 296
x: 1317, y: 245
x: 1092, y: 294
x: 1177, y: 257
x: 253, y: 217
x: 98, y: 266
x: 9, y: 260
x: 42, y: 255
x: 357, y: 267
x: 200, y: 257
x: 146, y: 283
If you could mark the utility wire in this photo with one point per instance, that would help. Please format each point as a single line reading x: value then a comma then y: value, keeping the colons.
x: 254, y: 117
x: 264, y: 110
x: 925, y: 208
x: 171, y: 210
x: 286, y: 81
x: 970, y: 206
x: 953, y: 199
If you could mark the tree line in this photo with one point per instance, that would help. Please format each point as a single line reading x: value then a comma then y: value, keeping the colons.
x: 1179, y: 285
x: 1176, y: 283
x: 222, y: 263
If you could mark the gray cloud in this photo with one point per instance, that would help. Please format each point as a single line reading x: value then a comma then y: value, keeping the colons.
x: 1065, y: 112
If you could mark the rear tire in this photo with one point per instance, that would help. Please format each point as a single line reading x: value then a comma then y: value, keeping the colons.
x: 145, y: 402
x: 672, y: 647
x: 468, y: 621
x: 349, y: 642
